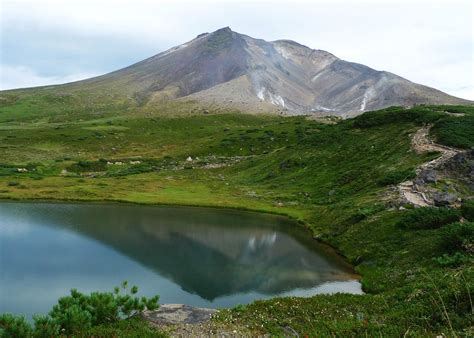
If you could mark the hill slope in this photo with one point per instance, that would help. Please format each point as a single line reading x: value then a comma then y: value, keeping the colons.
x: 340, y: 179
x: 228, y: 69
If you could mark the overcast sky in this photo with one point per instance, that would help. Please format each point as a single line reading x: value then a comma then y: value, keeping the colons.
x: 49, y: 41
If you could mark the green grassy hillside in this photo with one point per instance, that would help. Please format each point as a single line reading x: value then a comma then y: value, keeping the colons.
x: 335, y: 177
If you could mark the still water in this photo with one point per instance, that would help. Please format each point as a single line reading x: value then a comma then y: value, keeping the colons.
x: 197, y: 256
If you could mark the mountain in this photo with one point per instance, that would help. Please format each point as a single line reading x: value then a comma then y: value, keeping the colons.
x: 228, y: 69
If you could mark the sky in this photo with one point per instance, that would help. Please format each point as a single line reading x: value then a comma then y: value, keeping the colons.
x: 52, y: 41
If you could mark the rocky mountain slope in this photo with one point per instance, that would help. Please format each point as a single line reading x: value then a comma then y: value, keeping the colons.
x: 229, y: 69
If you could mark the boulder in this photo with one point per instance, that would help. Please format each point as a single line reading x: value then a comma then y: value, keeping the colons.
x: 428, y: 176
x: 442, y: 199
x: 169, y: 314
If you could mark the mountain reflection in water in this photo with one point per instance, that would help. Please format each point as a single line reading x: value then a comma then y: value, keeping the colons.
x: 211, y: 253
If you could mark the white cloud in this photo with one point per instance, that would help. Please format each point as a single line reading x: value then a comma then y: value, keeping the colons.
x: 22, y: 77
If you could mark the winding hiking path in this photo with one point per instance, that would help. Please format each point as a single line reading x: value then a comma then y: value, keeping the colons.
x: 421, y: 143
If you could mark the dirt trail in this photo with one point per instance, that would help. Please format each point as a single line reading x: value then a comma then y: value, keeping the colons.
x: 421, y: 143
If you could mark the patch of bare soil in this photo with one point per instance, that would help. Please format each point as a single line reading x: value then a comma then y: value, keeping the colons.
x: 179, y: 320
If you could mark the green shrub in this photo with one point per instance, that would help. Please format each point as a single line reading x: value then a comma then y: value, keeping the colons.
x: 455, y: 260
x: 14, y: 326
x: 428, y: 218
x: 78, y: 313
x: 395, y: 177
x: 133, y: 327
x: 467, y: 210
x: 88, y: 166
x: 45, y: 327
x: 455, y: 131
x: 458, y: 237
x: 83, y: 311
x: 418, y: 114
x: 71, y: 317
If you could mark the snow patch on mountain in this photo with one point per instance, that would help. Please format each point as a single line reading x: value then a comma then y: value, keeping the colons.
x: 277, y: 100
x: 318, y: 107
x: 261, y: 94
x: 367, y: 95
x: 274, y: 99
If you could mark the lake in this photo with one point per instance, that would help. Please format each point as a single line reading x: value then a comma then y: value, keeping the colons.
x: 197, y: 256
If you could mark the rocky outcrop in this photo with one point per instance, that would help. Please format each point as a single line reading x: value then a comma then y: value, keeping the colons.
x: 421, y: 191
x: 168, y: 314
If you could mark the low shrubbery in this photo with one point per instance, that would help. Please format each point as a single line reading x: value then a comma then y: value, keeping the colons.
x: 88, y: 166
x: 79, y: 312
x: 458, y: 237
x: 455, y: 131
x: 418, y: 114
x: 395, y: 177
x: 428, y: 218
x: 457, y: 243
x: 467, y: 210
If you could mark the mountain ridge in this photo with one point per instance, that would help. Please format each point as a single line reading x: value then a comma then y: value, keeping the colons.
x: 228, y: 69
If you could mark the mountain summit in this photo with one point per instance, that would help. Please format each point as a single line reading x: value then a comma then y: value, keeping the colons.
x: 234, y: 70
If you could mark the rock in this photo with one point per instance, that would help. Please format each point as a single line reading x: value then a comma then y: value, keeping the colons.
x: 444, y: 199
x: 189, y: 159
x: 206, y: 111
x: 428, y: 176
x: 169, y: 314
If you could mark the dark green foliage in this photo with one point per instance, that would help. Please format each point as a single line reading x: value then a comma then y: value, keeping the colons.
x: 467, y: 210
x: 88, y: 166
x: 13, y: 184
x: 455, y: 131
x: 13, y: 326
x: 395, y: 177
x: 71, y: 316
x: 418, y: 115
x: 454, y: 260
x: 82, y: 311
x: 458, y: 237
x: 7, y: 169
x: 428, y: 218
x: 45, y: 327
x: 133, y: 327
x: 79, y: 312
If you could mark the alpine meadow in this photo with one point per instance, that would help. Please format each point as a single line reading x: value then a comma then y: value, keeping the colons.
x: 365, y: 179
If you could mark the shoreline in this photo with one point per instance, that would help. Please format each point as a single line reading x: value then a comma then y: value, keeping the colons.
x: 324, y: 245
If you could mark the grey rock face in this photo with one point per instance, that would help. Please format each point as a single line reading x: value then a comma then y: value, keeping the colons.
x: 428, y: 176
x: 169, y: 314
x: 231, y: 69
x: 444, y: 199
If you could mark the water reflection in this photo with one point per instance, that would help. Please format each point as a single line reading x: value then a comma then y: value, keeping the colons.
x: 213, y: 254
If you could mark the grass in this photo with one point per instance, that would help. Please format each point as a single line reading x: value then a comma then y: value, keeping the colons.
x: 334, y: 178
